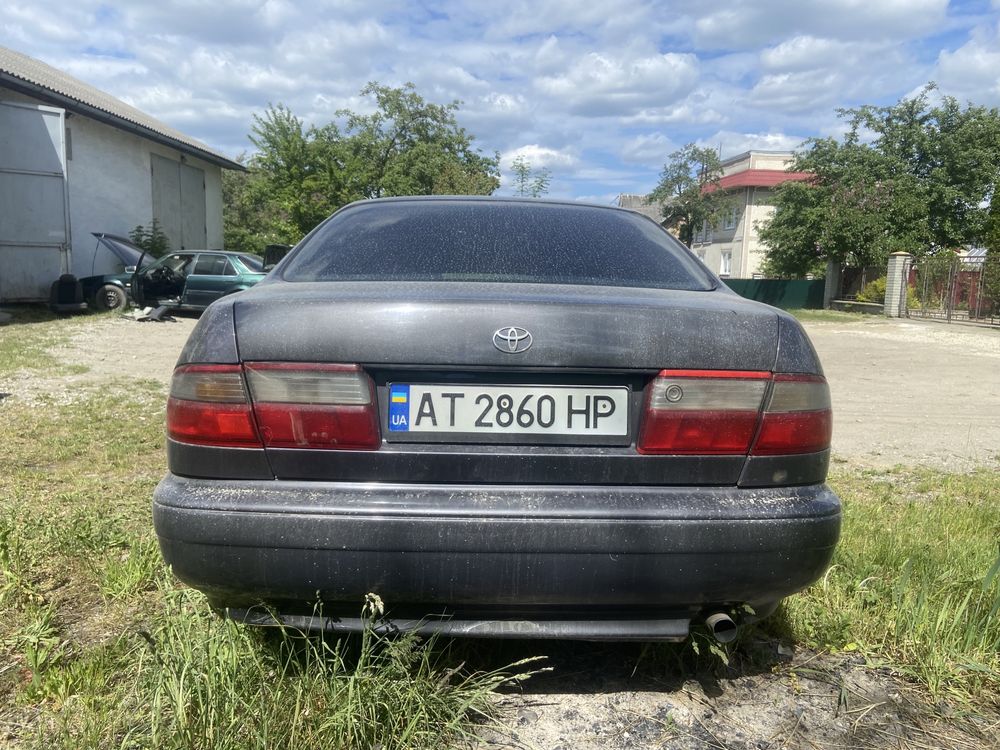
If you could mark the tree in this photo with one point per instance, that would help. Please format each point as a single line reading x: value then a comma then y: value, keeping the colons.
x: 991, y: 264
x: 688, y: 192
x: 912, y: 176
x: 527, y: 181
x: 299, y: 175
x: 412, y: 147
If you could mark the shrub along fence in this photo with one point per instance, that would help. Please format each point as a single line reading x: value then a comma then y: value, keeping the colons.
x: 783, y: 293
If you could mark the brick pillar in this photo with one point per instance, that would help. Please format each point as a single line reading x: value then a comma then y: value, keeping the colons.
x: 895, y: 285
x: 832, y: 287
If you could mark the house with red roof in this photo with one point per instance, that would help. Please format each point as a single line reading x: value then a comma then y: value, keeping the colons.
x: 732, y: 249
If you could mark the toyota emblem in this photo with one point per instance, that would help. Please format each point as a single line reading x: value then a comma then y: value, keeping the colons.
x: 511, y: 339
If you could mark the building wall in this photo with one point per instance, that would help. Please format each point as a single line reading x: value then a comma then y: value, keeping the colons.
x: 754, y: 207
x: 110, y: 186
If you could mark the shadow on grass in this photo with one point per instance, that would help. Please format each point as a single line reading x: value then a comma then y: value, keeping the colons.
x: 593, y: 667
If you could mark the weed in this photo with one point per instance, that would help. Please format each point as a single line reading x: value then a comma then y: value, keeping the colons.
x: 914, y: 584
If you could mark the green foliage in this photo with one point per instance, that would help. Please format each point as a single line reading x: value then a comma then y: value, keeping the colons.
x: 922, y: 596
x: 873, y: 291
x: 991, y: 265
x: 908, y: 177
x: 151, y: 238
x: 529, y: 182
x: 301, y: 174
x: 688, y: 193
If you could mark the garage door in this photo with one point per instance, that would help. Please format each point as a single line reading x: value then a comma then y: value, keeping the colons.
x: 34, y: 209
x: 179, y: 202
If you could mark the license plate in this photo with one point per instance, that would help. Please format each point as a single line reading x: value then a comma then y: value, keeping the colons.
x: 509, y: 409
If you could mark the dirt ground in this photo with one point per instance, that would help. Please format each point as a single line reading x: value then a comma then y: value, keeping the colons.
x: 903, y: 393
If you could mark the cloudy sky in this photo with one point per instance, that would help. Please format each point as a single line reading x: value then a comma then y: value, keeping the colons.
x: 599, y: 93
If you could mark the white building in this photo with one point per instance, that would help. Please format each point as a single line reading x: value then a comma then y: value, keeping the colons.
x: 75, y: 160
x: 732, y: 248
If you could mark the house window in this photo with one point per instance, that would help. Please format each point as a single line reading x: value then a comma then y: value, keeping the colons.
x: 701, y: 255
x: 731, y: 217
x: 726, y: 264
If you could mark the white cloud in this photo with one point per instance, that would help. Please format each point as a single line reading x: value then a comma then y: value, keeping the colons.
x: 730, y: 143
x: 539, y: 157
x: 745, y: 24
x: 649, y: 148
x: 600, y: 84
x: 596, y: 93
x: 972, y: 72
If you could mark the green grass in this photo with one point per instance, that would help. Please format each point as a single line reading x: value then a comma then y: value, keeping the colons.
x: 915, y: 582
x: 100, y: 647
x: 26, y: 342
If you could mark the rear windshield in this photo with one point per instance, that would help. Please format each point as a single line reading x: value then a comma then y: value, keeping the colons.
x: 518, y: 241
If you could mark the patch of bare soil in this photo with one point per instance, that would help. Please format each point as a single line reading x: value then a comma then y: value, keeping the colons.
x: 104, y: 350
x: 605, y: 698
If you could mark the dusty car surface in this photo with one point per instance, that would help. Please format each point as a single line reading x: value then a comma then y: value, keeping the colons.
x: 194, y: 279
x: 512, y: 418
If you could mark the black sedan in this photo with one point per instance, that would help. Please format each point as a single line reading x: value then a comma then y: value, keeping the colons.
x: 512, y: 418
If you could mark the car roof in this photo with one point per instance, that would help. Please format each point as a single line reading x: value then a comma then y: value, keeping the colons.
x: 486, y: 199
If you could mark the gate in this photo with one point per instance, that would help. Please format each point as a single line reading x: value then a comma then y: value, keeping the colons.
x: 955, y: 288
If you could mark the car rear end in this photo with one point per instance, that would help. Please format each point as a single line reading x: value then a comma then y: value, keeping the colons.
x: 507, y: 418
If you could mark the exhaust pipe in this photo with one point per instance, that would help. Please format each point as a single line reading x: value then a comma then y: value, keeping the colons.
x: 721, y: 626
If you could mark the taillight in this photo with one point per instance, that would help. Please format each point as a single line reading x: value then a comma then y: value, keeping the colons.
x: 719, y: 412
x: 797, y: 418
x: 702, y: 412
x: 208, y: 406
x: 326, y: 406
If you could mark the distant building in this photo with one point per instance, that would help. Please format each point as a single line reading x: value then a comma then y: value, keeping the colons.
x: 75, y: 160
x: 636, y: 202
x: 732, y: 249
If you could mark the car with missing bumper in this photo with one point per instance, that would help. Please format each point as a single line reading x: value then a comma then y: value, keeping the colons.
x: 508, y: 418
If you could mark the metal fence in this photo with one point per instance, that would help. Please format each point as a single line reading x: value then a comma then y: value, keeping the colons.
x: 783, y: 293
x: 953, y: 288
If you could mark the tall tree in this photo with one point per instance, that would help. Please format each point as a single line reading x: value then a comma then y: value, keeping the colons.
x: 913, y: 176
x: 409, y: 146
x: 991, y: 265
x: 529, y: 182
x: 299, y: 175
x: 688, y: 192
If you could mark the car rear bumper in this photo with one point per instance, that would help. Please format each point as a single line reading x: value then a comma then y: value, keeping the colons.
x: 497, y: 560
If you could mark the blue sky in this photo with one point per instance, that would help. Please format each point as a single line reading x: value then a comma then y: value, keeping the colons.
x: 598, y: 93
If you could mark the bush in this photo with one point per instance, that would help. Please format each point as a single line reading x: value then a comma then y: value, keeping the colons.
x: 873, y: 291
x: 151, y: 239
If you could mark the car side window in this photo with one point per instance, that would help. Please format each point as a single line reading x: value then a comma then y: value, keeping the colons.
x: 214, y: 265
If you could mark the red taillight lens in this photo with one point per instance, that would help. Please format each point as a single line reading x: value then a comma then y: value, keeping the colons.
x: 325, y: 406
x: 702, y: 412
x: 208, y: 406
x: 706, y: 412
x: 798, y: 417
